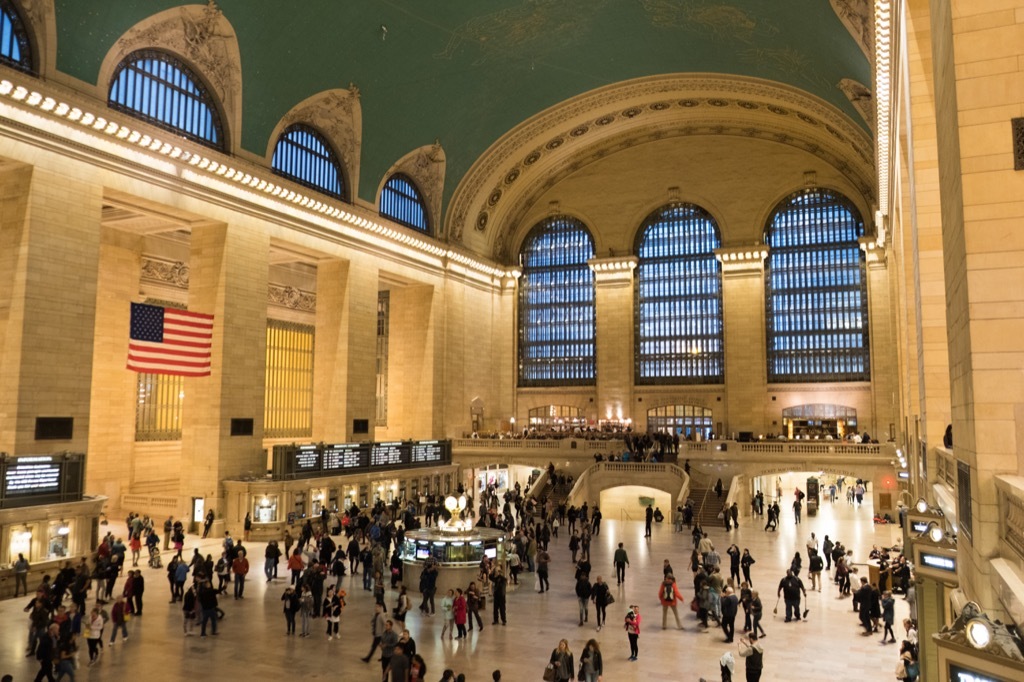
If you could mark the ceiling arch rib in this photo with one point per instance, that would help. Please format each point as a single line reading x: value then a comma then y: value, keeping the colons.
x: 501, y: 185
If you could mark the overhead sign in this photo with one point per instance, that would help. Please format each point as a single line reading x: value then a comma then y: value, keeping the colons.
x: 935, y: 562
x: 42, y: 479
x: 311, y: 461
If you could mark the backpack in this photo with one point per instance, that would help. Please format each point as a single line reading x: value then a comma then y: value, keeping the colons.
x: 667, y: 593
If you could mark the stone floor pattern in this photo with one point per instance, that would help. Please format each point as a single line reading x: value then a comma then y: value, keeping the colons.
x: 252, y: 642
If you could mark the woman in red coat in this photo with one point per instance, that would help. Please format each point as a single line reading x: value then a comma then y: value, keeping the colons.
x: 461, y: 609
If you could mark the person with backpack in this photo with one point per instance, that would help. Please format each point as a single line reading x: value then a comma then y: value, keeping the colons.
x: 814, y: 566
x: 669, y: 596
x: 751, y: 650
x: 272, y: 556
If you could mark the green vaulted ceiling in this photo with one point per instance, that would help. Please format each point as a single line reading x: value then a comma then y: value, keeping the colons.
x: 466, y: 71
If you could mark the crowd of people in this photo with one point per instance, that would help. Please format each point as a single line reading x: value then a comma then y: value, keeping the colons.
x: 365, y: 543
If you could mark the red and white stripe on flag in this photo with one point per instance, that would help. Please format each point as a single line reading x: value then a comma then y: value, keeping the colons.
x: 169, y: 341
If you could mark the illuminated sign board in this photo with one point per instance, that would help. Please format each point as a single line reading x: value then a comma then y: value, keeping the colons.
x: 919, y: 526
x: 311, y: 461
x: 32, y: 476
x: 42, y: 479
x: 960, y: 674
x: 903, y: 474
x: 938, y: 562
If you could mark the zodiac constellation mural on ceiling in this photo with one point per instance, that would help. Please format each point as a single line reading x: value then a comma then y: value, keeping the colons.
x: 524, y: 31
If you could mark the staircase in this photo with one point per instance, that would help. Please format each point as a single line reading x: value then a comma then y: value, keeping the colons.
x: 708, y: 516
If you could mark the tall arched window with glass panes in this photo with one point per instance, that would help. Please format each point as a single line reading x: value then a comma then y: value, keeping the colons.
x: 15, y: 48
x: 160, y: 89
x: 815, y: 290
x: 679, y: 298
x: 557, y: 345
x: 304, y: 155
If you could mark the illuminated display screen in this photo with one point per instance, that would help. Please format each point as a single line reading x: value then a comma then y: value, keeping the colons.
x: 388, y: 454
x: 32, y: 476
x: 309, y: 461
x: 919, y: 526
x: 961, y: 674
x: 938, y: 562
x: 346, y: 456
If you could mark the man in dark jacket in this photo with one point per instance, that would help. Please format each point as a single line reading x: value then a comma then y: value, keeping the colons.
x: 790, y: 589
x: 498, y: 584
x: 583, y: 592
x: 208, y: 607
x: 729, y: 605
x: 46, y: 652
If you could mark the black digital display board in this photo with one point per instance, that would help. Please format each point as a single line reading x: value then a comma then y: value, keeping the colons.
x: 310, y: 461
x: 389, y: 454
x: 40, y: 479
x: 32, y: 476
x: 341, y: 456
x: 425, y: 451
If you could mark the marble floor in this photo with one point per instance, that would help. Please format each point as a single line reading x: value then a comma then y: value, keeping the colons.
x: 252, y: 643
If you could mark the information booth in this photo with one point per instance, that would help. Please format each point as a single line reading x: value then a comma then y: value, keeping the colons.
x: 458, y: 555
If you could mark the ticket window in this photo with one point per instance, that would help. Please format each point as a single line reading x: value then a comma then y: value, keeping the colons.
x: 58, y: 539
x: 447, y: 484
x: 414, y: 494
x: 20, y: 542
x: 332, y: 499
x: 316, y: 501
x: 264, y: 509
x: 364, y: 496
x: 300, y: 505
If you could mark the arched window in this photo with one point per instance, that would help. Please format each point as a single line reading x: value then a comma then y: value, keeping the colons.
x: 815, y: 292
x: 402, y: 202
x: 303, y: 155
x: 15, y: 49
x: 556, y: 306
x: 679, y: 298
x: 158, y: 88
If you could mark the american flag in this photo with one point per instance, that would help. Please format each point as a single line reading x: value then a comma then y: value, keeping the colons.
x: 169, y: 341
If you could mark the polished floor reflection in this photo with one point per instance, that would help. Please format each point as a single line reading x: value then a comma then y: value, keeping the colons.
x: 253, y: 644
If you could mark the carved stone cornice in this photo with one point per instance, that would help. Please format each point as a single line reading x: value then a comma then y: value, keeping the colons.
x: 172, y: 273
x: 742, y: 259
x: 589, y: 126
x: 165, y: 272
x: 613, y: 271
x: 292, y: 298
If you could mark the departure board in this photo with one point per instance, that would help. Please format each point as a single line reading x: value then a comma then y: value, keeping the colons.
x: 389, y: 454
x: 342, y: 456
x: 32, y: 476
x: 307, y: 458
x: 41, y: 479
x: 425, y: 451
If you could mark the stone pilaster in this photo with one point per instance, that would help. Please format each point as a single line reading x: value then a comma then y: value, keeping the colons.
x: 228, y: 279
x: 882, y: 348
x: 614, y: 301
x: 743, y: 311
x: 112, y: 424
x: 975, y: 97
x: 49, y: 257
x: 344, y: 366
x: 414, y: 380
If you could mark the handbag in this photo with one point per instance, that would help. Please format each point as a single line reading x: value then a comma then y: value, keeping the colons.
x: 549, y: 673
x: 610, y: 599
x: 695, y: 605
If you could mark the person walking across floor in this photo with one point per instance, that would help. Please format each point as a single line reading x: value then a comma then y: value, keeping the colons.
x: 583, y: 592
x: 562, y: 661
x: 621, y: 560
x: 730, y: 606
x: 591, y: 663
x: 240, y: 567
x: 602, y: 597
x: 790, y: 589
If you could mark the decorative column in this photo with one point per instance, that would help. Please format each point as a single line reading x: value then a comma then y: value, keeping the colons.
x: 344, y: 381
x: 49, y: 258
x: 743, y: 318
x: 884, y: 368
x: 228, y: 279
x: 614, y: 301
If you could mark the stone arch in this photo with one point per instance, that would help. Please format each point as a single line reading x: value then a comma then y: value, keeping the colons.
x: 38, y: 18
x: 489, y: 205
x: 776, y: 201
x: 426, y: 167
x: 200, y: 35
x: 338, y: 115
